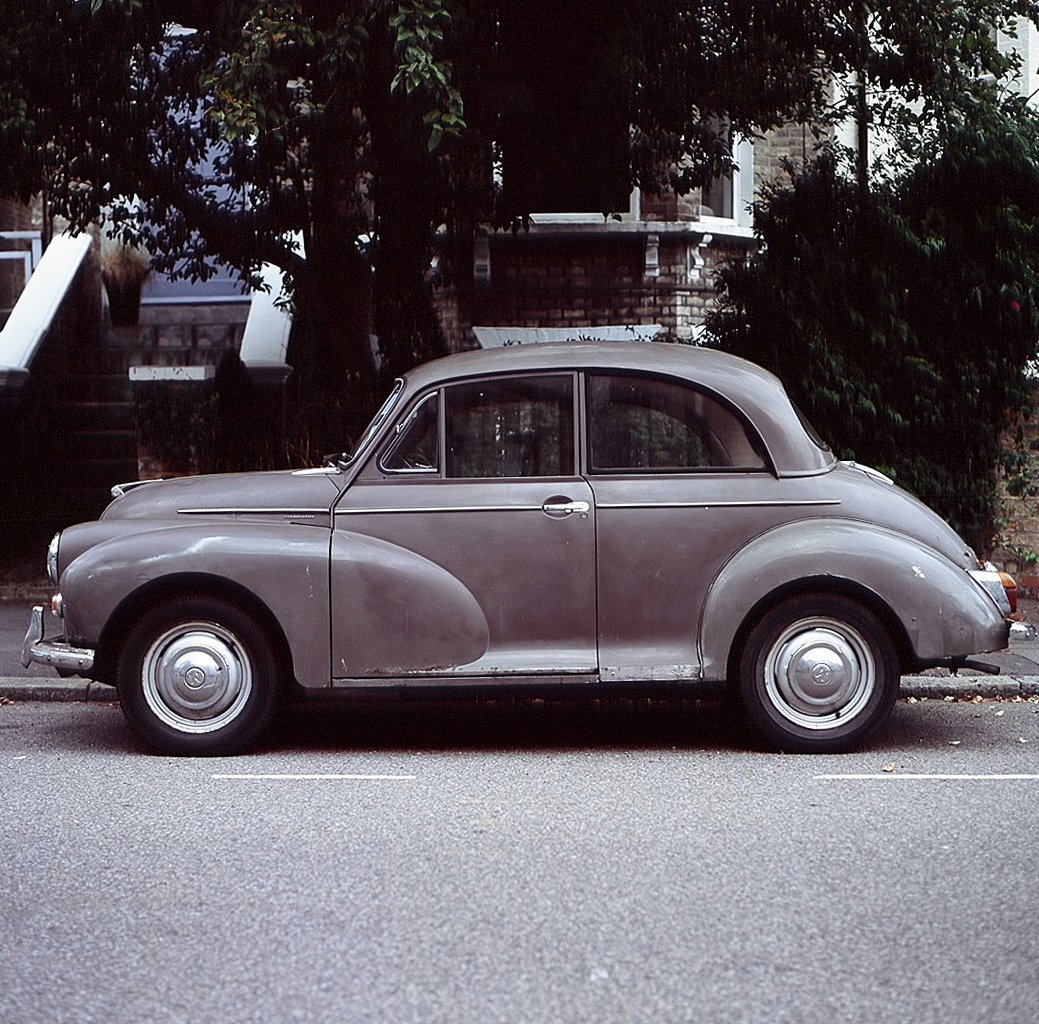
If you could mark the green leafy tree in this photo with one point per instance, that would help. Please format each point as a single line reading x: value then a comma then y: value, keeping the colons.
x: 348, y: 142
x: 905, y: 321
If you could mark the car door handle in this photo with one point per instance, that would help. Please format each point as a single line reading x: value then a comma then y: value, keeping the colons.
x: 560, y: 507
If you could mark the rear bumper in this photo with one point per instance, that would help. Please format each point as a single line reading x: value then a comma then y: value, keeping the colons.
x: 57, y: 653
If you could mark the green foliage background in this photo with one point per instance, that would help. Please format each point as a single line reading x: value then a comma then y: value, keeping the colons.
x: 903, y: 318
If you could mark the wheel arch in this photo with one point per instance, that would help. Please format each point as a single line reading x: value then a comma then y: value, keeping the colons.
x: 176, y: 586
x: 930, y: 606
x: 822, y: 585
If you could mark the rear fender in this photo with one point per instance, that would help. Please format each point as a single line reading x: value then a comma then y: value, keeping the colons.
x: 938, y: 607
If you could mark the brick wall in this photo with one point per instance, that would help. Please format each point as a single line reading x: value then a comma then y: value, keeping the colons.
x: 795, y: 143
x: 13, y: 217
x: 575, y: 280
x: 186, y: 334
x: 1017, y: 548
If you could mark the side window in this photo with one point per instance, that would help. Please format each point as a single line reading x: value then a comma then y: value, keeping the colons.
x: 515, y: 427
x: 416, y: 448
x: 645, y: 424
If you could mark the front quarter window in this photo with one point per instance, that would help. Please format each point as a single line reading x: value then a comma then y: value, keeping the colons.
x: 415, y: 448
x: 348, y: 458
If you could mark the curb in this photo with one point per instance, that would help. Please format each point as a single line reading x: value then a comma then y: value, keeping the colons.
x: 964, y: 687
x: 919, y: 687
x: 55, y: 690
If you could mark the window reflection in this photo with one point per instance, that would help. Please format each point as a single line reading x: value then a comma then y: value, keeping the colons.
x: 518, y: 427
x: 640, y: 423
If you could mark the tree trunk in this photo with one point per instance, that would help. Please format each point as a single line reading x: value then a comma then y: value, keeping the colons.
x: 408, y: 205
x: 335, y: 387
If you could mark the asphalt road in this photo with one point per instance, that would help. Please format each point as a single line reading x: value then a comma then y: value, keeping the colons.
x: 525, y: 863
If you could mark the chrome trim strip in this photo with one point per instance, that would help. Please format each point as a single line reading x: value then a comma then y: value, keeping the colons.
x: 247, y: 510
x: 449, y: 680
x: 719, y: 504
x: 397, y: 510
x: 120, y: 489
x: 52, y: 558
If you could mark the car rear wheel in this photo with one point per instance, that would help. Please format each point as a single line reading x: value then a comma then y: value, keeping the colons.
x: 818, y: 673
x: 197, y: 676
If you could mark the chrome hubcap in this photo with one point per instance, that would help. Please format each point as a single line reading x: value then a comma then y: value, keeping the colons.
x: 197, y: 678
x: 819, y: 673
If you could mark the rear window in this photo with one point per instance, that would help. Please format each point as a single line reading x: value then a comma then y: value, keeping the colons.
x: 812, y: 433
x: 645, y: 424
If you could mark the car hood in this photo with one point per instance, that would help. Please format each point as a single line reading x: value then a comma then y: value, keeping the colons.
x: 307, y: 490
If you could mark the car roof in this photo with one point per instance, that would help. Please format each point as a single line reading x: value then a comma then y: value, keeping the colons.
x: 753, y: 390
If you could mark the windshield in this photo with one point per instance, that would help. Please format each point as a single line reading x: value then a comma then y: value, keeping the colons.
x: 377, y: 421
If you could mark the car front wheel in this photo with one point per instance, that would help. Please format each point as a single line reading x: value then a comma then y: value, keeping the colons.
x: 197, y: 676
x: 818, y: 674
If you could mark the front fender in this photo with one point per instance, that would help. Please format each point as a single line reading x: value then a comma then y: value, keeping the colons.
x: 398, y: 613
x: 942, y: 611
x: 283, y: 566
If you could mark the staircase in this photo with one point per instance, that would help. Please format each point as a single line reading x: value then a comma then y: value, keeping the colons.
x: 94, y: 423
x: 96, y: 416
x: 67, y: 431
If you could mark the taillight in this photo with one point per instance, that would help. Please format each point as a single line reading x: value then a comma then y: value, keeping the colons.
x: 1010, y: 586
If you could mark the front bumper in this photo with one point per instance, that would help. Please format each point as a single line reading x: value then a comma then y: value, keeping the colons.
x: 56, y: 653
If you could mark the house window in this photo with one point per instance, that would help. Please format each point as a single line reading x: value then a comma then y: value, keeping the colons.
x: 726, y: 200
x: 1025, y: 43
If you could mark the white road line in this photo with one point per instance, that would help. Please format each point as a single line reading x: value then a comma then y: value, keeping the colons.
x: 932, y: 777
x: 317, y: 777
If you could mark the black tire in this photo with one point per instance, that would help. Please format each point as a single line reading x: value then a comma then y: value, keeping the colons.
x: 818, y: 674
x: 197, y: 677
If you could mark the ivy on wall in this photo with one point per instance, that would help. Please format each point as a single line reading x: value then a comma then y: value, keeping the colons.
x: 177, y: 424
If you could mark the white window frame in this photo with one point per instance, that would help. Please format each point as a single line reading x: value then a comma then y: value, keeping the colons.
x: 1026, y: 45
x: 630, y: 216
x: 742, y: 182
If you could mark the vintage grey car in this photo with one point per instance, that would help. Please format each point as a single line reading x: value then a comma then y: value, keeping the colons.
x: 597, y: 518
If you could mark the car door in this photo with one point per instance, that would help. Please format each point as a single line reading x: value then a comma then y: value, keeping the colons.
x: 466, y: 546
x: 680, y: 481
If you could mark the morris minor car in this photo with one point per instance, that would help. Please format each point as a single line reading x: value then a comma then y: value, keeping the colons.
x: 545, y: 519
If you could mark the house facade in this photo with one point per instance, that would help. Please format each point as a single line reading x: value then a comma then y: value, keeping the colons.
x: 652, y: 263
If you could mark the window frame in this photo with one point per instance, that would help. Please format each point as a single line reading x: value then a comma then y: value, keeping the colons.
x: 742, y: 184
x: 496, y: 378
x: 398, y: 431
x: 440, y: 393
